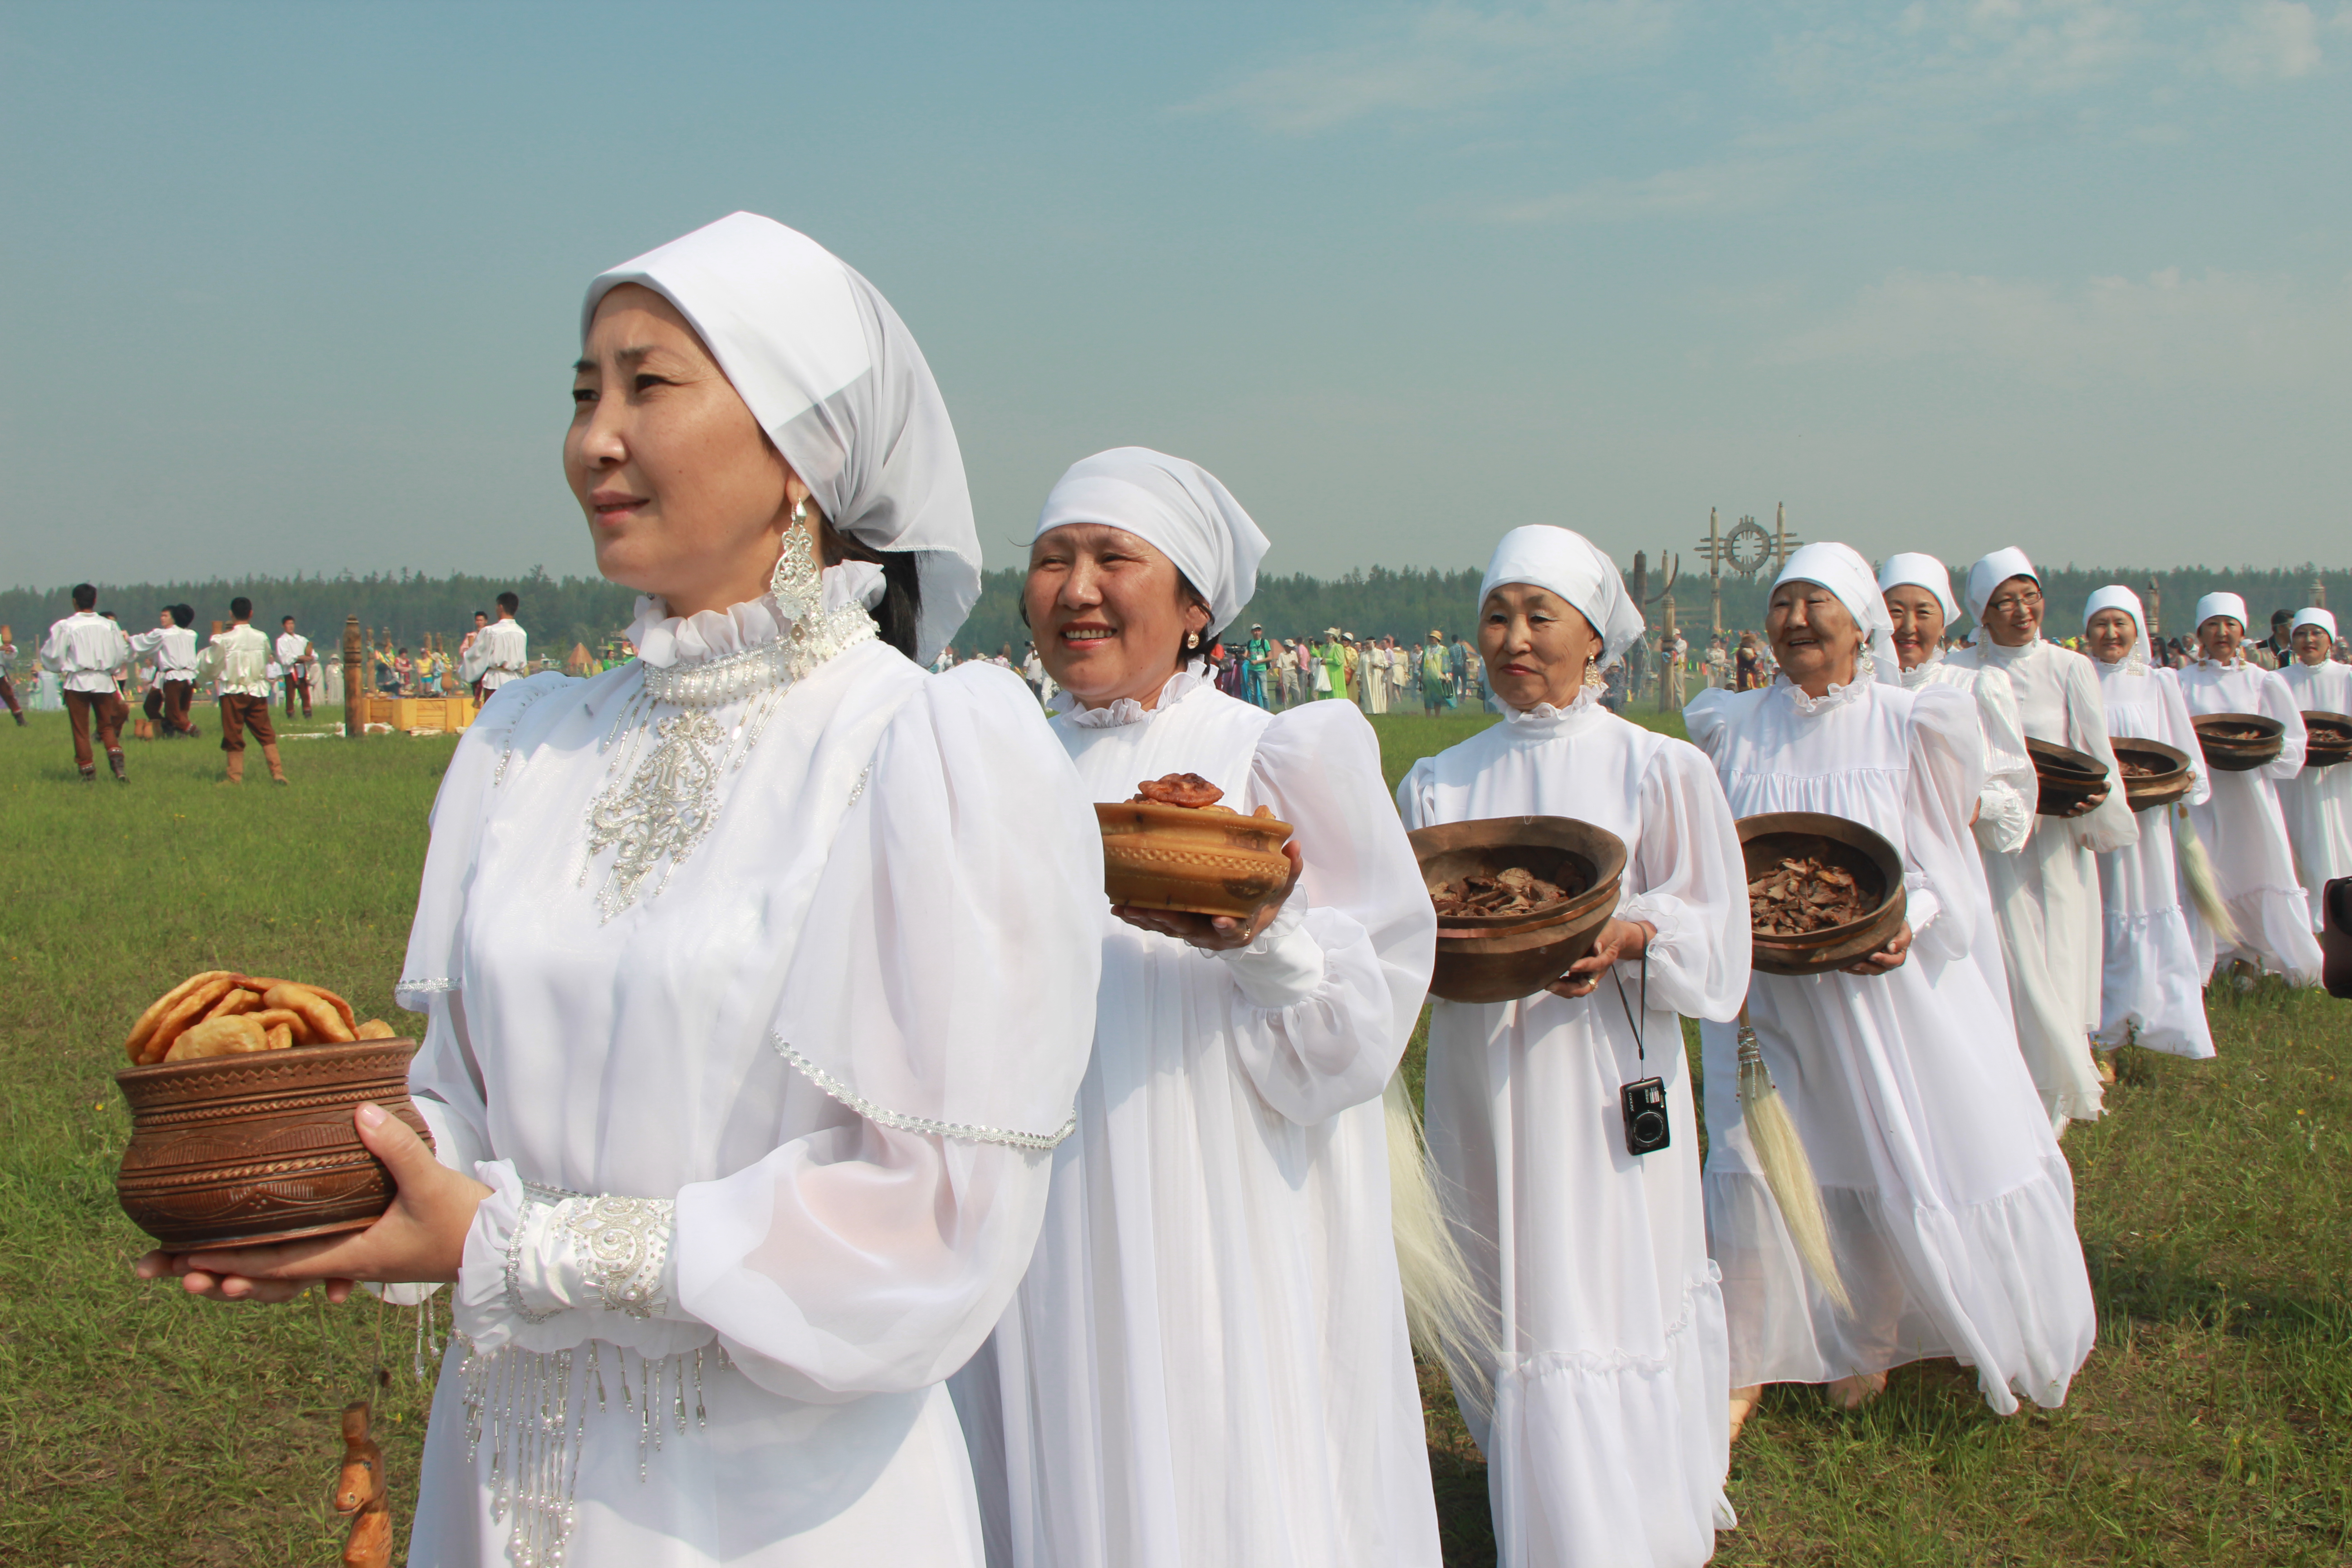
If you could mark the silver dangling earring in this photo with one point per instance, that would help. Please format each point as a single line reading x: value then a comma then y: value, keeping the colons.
x: 1592, y: 676
x: 795, y: 581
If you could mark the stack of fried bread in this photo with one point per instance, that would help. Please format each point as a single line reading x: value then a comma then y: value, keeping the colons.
x: 221, y: 1012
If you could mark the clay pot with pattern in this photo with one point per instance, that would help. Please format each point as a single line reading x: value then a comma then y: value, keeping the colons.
x: 240, y: 1150
x: 1199, y: 862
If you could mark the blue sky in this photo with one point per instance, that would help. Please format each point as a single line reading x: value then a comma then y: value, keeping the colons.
x: 294, y: 286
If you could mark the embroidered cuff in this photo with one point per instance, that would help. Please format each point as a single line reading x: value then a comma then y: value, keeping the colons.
x: 2002, y: 821
x: 536, y: 1251
x: 1282, y: 967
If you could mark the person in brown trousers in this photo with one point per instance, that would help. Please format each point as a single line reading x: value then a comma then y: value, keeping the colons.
x: 239, y: 661
x: 173, y: 646
x: 85, y: 649
x: 7, y: 688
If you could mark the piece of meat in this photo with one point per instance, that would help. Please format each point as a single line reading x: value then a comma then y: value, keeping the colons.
x: 1177, y: 789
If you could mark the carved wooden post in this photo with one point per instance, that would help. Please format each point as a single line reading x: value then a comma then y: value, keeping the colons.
x: 2155, y: 612
x: 354, y: 679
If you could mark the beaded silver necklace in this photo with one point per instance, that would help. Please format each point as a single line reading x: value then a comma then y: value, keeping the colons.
x: 661, y: 801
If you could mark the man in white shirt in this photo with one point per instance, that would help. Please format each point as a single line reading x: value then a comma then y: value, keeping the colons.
x: 85, y: 649
x: 499, y: 652
x: 173, y: 646
x: 296, y: 658
x: 237, y: 661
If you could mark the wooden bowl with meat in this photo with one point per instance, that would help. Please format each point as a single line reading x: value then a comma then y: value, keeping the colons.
x: 2155, y: 774
x: 1518, y: 900
x: 1173, y: 847
x: 2064, y: 778
x: 2238, y: 742
x: 2330, y: 739
x: 241, y: 1097
x: 1822, y: 891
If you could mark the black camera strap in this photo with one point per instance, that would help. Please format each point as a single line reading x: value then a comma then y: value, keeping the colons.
x: 1640, y: 1055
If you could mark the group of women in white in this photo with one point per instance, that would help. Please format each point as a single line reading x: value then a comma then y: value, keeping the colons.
x: 825, y: 1175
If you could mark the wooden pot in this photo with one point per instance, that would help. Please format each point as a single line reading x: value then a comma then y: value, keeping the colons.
x: 1200, y: 862
x: 2330, y: 742
x: 2171, y: 784
x: 2239, y: 753
x: 2064, y: 778
x: 240, y: 1150
x: 1500, y: 958
x: 1772, y: 836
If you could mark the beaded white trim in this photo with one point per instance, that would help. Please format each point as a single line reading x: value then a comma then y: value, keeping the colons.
x: 433, y: 987
x: 905, y: 1123
x: 627, y: 1245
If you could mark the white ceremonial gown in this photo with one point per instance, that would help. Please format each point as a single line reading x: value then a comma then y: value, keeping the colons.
x: 2244, y: 828
x: 1207, y: 1364
x: 2045, y: 897
x: 2154, y: 991
x: 2318, y: 802
x: 809, y: 1063
x: 2005, y: 806
x: 1951, y: 1210
x: 1610, y: 1435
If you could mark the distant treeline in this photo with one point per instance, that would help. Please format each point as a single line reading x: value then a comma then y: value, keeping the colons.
x: 1406, y: 605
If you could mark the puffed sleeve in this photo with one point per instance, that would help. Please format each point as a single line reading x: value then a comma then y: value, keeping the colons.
x: 2012, y: 792
x: 1416, y: 797
x: 2180, y: 734
x: 1325, y: 999
x: 942, y: 997
x: 1707, y: 716
x: 2278, y: 702
x: 2110, y: 825
x: 1945, y: 779
x: 1689, y: 880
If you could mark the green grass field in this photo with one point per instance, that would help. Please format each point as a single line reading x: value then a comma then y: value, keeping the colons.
x: 2212, y: 1426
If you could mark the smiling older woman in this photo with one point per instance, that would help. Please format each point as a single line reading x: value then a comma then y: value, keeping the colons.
x: 760, y: 973
x: 1606, y: 1441
x: 1208, y: 1363
x: 1950, y: 1211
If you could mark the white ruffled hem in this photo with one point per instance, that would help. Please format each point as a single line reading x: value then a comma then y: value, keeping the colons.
x: 1999, y: 1286
x: 1618, y: 1458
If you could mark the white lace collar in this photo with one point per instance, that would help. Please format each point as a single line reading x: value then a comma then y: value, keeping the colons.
x: 1543, y: 721
x: 1126, y: 709
x: 1834, y: 698
x: 1918, y: 675
x: 1994, y: 653
x: 663, y: 639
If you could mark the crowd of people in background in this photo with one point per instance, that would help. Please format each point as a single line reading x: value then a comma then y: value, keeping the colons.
x: 100, y: 674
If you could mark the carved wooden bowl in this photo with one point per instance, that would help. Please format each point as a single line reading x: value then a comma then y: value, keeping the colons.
x: 2227, y: 746
x: 1201, y: 862
x: 1500, y: 958
x: 2064, y: 778
x: 2330, y: 739
x: 240, y: 1150
x: 2170, y: 781
x: 1772, y: 836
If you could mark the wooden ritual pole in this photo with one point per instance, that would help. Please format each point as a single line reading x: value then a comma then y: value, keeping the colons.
x: 354, y: 679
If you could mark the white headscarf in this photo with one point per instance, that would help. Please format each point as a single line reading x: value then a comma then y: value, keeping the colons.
x: 2116, y: 596
x: 1920, y: 572
x: 2227, y: 605
x: 1565, y: 564
x: 1176, y: 507
x: 1840, y: 569
x: 2322, y: 619
x: 1990, y: 572
x: 836, y: 380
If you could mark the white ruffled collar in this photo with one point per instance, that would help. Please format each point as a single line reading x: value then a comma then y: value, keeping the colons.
x: 1993, y: 652
x: 1834, y: 698
x: 1126, y: 709
x: 663, y: 639
x: 1923, y: 672
x: 1543, y: 721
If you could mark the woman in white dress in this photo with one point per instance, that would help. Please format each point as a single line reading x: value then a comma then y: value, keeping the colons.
x: 1607, y: 1440
x: 2241, y: 822
x: 2046, y: 897
x: 1950, y: 1211
x: 1917, y: 592
x: 2318, y: 802
x: 760, y: 973
x: 2153, y: 992
x: 1208, y: 1363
